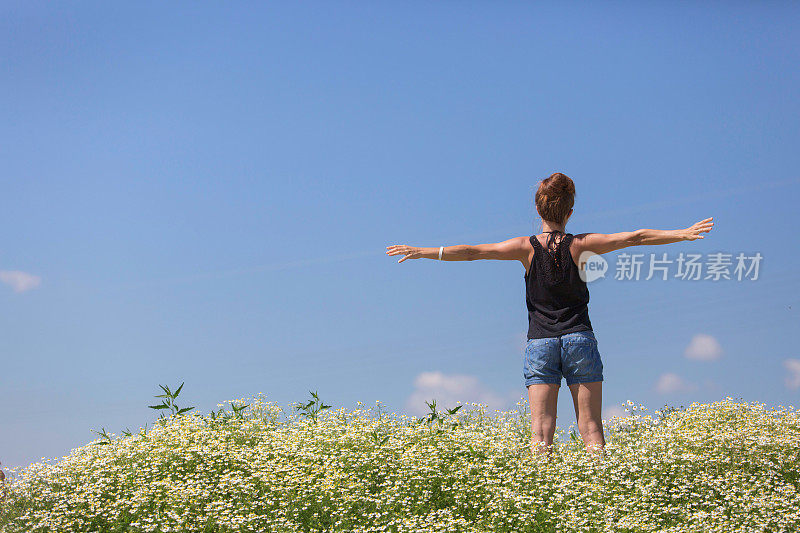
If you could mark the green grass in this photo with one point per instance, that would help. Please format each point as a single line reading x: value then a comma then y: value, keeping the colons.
x: 725, y: 466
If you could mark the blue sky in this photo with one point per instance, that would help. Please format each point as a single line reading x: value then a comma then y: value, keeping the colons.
x: 204, y: 193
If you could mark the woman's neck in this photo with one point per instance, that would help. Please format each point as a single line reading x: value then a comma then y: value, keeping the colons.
x: 552, y: 226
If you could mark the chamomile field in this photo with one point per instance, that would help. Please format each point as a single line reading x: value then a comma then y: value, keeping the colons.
x: 252, y: 466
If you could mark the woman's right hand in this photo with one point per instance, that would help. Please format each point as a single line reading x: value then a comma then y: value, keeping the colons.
x: 694, y: 231
x: 410, y: 252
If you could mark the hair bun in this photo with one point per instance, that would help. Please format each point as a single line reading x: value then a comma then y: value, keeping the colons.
x: 555, y: 197
x: 560, y: 183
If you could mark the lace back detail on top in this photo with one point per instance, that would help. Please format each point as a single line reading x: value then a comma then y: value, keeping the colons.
x: 553, y: 244
x: 554, y: 266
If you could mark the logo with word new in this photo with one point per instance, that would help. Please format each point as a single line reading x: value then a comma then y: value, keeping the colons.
x: 591, y: 266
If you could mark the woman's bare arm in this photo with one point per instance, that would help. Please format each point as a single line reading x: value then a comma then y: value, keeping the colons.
x: 601, y: 243
x: 510, y: 249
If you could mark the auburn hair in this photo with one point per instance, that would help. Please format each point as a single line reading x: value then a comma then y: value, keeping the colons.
x: 555, y: 197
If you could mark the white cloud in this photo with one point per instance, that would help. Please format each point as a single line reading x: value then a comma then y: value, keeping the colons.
x: 703, y: 348
x: 793, y: 379
x: 669, y: 382
x: 19, y: 281
x: 449, y: 389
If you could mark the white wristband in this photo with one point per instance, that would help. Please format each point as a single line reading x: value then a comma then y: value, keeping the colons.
x: 441, y: 248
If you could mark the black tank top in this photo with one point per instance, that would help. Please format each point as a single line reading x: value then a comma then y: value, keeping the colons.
x: 556, y: 296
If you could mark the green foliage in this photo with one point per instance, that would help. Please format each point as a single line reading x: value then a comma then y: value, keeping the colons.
x: 436, y: 421
x: 312, y: 408
x: 168, y: 402
x: 105, y: 436
x: 220, y: 416
x: 723, y: 466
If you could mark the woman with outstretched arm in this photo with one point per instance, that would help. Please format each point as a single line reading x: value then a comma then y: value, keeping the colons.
x: 561, y: 341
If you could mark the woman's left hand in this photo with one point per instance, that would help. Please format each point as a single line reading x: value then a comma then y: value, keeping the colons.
x: 410, y: 252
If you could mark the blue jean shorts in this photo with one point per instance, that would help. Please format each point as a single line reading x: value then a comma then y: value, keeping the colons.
x: 573, y: 355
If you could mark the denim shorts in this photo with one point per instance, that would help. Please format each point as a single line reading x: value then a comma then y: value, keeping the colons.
x: 573, y: 355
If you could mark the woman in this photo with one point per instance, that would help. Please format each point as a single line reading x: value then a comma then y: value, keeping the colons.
x: 561, y: 341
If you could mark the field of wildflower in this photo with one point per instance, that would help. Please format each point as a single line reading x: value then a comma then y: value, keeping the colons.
x: 719, y: 467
